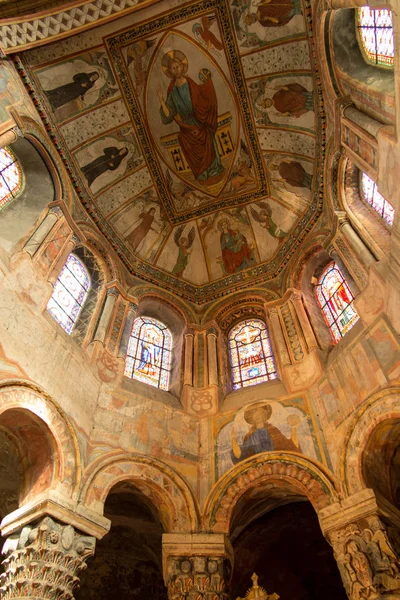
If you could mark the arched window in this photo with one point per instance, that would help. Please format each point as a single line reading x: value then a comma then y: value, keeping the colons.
x: 369, y: 191
x: 251, y: 354
x: 149, y: 353
x: 11, y: 177
x: 69, y: 293
x: 375, y: 34
x: 336, y: 301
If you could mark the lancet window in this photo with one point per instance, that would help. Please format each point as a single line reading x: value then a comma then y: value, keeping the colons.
x: 251, y: 354
x: 336, y: 301
x: 375, y: 33
x: 149, y: 353
x: 369, y: 191
x: 10, y: 177
x: 69, y: 293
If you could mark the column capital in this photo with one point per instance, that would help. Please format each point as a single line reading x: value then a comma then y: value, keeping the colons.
x: 43, y: 561
x: 199, y: 563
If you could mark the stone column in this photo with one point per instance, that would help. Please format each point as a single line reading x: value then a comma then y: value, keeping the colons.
x: 40, y: 234
x: 361, y: 250
x: 43, y: 561
x: 197, y: 566
x: 60, y: 262
x: 212, y: 357
x: 10, y: 136
x: 305, y: 324
x: 188, y: 372
x: 277, y: 335
x: 367, y: 560
x: 127, y: 330
x: 106, y: 314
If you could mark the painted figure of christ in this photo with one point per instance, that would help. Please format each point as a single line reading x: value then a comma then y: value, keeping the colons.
x: 193, y: 107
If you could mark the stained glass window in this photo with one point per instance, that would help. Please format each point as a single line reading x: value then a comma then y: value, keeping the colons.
x: 69, y: 293
x: 375, y: 31
x: 149, y: 353
x: 336, y: 301
x: 10, y: 177
x: 375, y: 199
x: 251, y: 354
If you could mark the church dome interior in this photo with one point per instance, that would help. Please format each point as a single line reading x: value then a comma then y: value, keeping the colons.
x: 199, y: 300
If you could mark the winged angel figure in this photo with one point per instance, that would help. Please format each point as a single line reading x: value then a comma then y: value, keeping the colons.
x: 264, y: 217
x: 184, y: 249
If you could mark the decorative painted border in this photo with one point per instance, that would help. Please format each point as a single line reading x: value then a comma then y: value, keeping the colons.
x: 24, y: 33
x: 238, y: 281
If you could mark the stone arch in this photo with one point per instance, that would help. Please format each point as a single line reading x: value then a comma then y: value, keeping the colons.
x: 382, y: 406
x: 163, y: 487
x: 24, y: 405
x: 299, y: 474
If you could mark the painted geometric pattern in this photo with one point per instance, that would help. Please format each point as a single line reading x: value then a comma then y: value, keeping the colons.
x: 28, y: 32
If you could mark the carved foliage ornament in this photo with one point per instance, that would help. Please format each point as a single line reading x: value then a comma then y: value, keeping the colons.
x: 44, y: 561
x: 367, y: 562
x: 197, y: 578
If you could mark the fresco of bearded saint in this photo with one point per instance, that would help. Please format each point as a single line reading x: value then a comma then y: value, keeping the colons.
x: 193, y: 107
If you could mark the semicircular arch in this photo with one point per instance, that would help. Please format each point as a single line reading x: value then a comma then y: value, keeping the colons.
x: 163, y: 487
x: 18, y: 395
x: 305, y: 476
x: 380, y: 407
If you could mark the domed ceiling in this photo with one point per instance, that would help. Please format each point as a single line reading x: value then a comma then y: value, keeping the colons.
x: 191, y: 137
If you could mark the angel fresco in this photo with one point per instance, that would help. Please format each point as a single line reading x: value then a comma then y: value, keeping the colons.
x: 184, y: 249
x: 273, y: 13
x: 110, y: 160
x: 264, y: 217
x: 193, y: 107
x: 294, y: 173
x: 242, y: 174
x: 81, y: 83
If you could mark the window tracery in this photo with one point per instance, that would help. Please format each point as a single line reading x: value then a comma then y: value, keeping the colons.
x: 149, y: 353
x: 336, y: 301
x: 375, y: 33
x: 251, y: 355
x: 10, y: 177
x: 69, y: 293
x: 370, y: 193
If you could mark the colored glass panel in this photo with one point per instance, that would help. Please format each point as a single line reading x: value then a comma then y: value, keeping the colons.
x: 149, y: 353
x: 10, y: 177
x: 375, y: 31
x: 69, y: 293
x: 375, y: 199
x: 336, y: 301
x: 251, y: 355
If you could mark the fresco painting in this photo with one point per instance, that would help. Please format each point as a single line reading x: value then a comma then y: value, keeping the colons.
x: 78, y: 84
x: 141, y: 223
x: 259, y: 22
x: 137, y: 57
x: 285, y: 101
x: 180, y: 256
x: 263, y: 426
x: 229, y: 242
x: 10, y: 91
x: 107, y: 159
x: 271, y: 223
x: 291, y: 179
x: 193, y: 123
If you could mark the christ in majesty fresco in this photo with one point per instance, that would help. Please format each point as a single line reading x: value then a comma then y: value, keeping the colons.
x: 193, y: 106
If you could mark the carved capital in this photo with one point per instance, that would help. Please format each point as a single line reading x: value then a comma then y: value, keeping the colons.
x: 367, y: 561
x: 200, y: 577
x: 44, y: 561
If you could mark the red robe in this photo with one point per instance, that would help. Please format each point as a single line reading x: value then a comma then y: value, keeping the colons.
x: 196, y: 141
